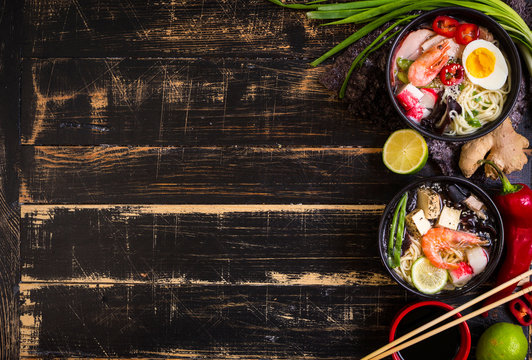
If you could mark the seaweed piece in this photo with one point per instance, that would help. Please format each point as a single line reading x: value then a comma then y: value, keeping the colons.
x: 457, y: 193
x: 452, y: 105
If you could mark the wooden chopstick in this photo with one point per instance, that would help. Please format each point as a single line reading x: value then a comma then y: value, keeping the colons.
x: 453, y: 323
x: 376, y: 354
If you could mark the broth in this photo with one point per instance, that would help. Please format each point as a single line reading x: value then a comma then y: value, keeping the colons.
x: 437, y: 81
x: 469, y: 221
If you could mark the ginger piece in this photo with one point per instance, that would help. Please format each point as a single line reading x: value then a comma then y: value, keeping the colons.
x: 505, y: 148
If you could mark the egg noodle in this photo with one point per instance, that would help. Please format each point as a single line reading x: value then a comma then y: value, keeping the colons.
x: 414, y: 252
x: 479, y: 106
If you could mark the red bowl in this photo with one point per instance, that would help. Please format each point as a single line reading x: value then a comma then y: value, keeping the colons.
x: 465, y: 335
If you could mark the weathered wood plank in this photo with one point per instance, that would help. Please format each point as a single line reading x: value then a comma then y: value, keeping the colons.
x: 103, y: 28
x: 195, y: 249
x: 10, y: 15
x: 248, y: 322
x: 191, y: 102
x: 219, y: 321
x: 237, y: 244
x: 187, y: 102
x: 211, y: 175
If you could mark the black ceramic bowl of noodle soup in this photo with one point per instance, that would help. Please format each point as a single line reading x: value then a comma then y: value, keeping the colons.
x: 505, y: 45
x: 494, y: 220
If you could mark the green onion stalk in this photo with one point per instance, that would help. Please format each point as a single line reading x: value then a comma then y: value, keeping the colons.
x: 375, y: 13
x: 395, y: 238
x: 400, y: 234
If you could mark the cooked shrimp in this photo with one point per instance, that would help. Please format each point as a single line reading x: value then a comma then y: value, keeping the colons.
x: 437, y: 239
x: 429, y: 64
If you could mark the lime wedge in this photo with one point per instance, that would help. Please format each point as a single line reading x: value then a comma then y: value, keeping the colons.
x: 405, y: 152
x: 426, y: 277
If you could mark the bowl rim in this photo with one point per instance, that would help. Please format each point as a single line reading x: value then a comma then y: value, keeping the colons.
x: 495, y: 255
x: 465, y: 333
x: 512, y: 95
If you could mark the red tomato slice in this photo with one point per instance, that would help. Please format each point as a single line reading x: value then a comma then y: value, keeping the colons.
x: 444, y: 25
x: 452, y: 74
x: 466, y: 33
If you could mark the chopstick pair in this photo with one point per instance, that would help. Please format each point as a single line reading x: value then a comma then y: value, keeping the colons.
x: 398, y: 345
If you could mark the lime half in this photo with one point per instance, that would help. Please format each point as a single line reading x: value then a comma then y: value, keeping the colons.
x: 405, y: 152
x: 426, y: 277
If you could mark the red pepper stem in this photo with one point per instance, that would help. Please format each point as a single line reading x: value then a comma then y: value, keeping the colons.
x: 507, y: 186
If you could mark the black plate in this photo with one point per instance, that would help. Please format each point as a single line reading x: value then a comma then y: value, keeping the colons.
x: 506, y: 45
x: 496, y: 248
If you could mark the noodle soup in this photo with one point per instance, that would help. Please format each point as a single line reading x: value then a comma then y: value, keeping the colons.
x: 450, y: 76
x: 451, y: 237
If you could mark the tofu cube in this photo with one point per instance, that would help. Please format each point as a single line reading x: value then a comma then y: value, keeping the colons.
x: 449, y: 218
x: 417, y: 224
x: 429, y: 201
x: 477, y: 206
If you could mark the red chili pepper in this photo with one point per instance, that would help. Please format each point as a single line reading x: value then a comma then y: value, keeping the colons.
x: 515, y: 204
x: 444, y: 25
x: 452, y: 74
x: 527, y: 296
x: 521, y: 312
x: 466, y: 33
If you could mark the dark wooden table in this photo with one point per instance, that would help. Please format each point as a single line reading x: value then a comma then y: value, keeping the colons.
x: 175, y: 183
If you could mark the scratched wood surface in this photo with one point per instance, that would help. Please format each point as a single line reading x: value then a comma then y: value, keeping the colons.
x: 10, y: 69
x: 187, y: 188
x: 219, y: 101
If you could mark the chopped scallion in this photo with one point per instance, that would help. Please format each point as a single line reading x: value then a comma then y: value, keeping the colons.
x: 375, y: 13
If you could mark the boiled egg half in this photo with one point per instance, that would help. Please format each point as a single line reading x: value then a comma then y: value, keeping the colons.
x: 485, y: 65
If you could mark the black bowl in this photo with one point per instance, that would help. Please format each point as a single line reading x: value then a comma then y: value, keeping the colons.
x: 505, y: 44
x: 495, y: 250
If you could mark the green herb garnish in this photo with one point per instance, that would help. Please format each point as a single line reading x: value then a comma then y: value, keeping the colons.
x: 375, y: 13
x: 471, y: 120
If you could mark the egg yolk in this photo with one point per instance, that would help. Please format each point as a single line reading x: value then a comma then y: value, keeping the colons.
x: 480, y: 63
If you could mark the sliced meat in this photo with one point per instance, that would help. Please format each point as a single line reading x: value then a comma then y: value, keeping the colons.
x: 416, y: 113
x: 408, y: 96
x: 429, y: 99
x: 456, y: 50
x: 462, y: 275
x: 432, y: 41
x: 477, y: 258
x: 410, y: 48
